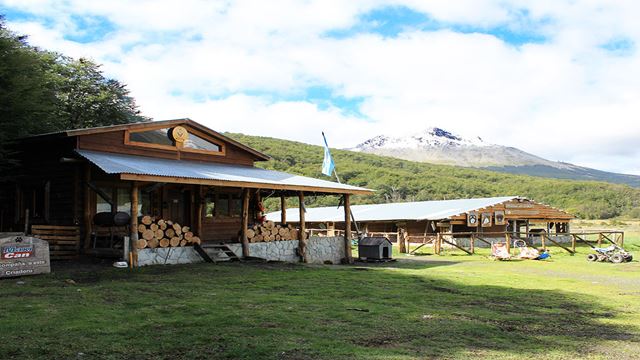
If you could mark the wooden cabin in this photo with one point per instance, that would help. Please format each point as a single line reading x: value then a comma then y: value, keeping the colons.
x: 419, y: 222
x: 176, y: 170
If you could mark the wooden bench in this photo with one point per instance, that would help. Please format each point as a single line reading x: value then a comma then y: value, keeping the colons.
x: 64, y: 241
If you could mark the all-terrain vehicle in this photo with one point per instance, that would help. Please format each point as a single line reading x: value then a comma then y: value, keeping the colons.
x: 612, y: 253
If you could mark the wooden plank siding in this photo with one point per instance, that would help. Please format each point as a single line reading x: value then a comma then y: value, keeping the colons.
x: 113, y: 142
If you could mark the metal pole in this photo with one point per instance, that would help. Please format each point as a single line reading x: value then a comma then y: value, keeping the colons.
x: 339, y: 182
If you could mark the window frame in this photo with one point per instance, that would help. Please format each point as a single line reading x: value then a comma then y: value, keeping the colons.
x: 218, y: 198
x: 200, y: 134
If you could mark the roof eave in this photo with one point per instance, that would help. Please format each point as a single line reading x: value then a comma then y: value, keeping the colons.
x: 245, y: 184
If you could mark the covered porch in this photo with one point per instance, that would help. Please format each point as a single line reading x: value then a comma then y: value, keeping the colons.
x: 217, y: 203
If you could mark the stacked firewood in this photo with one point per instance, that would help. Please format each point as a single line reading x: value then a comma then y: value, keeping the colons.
x: 155, y: 233
x: 270, y: 231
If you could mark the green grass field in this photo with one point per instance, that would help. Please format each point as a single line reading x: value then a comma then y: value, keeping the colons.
x: 452, y: 306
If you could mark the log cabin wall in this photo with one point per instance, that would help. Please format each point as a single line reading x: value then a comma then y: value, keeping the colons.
x: 45, y: 185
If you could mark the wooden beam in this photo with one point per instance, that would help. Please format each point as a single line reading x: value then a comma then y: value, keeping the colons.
x: 283, y: 209
x: 199, y: 210
x: 87, y: 207
x: 302, y: 236
x: 245, y: 222
x: 347, y: 229
x: 241, y: 184
x: 133, y: 238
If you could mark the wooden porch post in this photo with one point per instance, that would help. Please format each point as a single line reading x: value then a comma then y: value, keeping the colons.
x: 199, y: 211
x: 347, y: 229
x: 302, y: 236
x: 245, y: 222
x: 401, y: 243
x: 283, y: 209
x: 133, y: 227
x: 87, y: 207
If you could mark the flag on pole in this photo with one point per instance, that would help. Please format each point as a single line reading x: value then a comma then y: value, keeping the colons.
x: 327, y: 165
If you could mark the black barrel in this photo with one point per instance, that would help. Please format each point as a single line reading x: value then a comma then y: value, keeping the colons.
x: 111, y: 219
x: 121, y: 219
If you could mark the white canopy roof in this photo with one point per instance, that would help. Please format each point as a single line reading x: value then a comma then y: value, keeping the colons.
x: 422, y: 210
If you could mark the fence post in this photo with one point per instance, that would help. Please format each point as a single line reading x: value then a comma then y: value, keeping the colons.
x: 508, y: 239
x: 542, y: 243
x: 438, y: 243
x: 473, y: 245
x: 573, y: 243
x: 599, y: 239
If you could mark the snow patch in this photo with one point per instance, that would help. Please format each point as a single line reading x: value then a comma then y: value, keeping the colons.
x: 431, y: 137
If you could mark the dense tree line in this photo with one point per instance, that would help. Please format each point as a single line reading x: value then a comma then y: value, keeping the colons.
x: 400, y: 180
x: 43, y: 91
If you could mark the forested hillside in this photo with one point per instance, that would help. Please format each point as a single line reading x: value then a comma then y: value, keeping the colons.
x: 401, y: 180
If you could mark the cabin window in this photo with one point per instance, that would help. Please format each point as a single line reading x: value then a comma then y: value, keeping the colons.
x: 193, y: 141
x: 158, y: 136
x: 235, y: 206
x: 121, y: 197
x: 222, y: 205
x: 198, y: 143
x: 210, y: 206
x: 123, y: 200
x: 102, y: 205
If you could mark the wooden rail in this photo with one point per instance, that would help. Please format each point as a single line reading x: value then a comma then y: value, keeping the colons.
x: 440, y: 239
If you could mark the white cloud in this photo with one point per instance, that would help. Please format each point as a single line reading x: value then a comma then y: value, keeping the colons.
x: 240, y: 65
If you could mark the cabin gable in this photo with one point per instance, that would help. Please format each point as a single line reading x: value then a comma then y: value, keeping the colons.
x: 156, y: 140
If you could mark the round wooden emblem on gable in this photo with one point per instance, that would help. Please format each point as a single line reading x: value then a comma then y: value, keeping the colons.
x: 179, y: 134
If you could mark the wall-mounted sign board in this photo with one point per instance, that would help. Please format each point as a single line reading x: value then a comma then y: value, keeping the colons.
x: 486, y: 220
x: 472, y: 219
x: 499, y: 218
x: 23, y: 255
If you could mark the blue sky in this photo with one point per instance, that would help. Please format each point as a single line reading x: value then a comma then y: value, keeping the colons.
x: 508, y: 71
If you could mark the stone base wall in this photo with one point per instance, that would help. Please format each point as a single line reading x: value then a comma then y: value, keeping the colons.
x: 168, y: 256
x: 326, y: 249
x: 320, y: 250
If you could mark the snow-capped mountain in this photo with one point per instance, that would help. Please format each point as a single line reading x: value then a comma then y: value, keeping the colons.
x: 429, y: 138
x: 439, y: 146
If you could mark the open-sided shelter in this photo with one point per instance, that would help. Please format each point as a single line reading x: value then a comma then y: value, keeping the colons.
x: 175, y: 170
x: 424, y: 220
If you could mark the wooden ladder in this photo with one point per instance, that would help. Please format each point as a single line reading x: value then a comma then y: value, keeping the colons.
x: 219, y: 250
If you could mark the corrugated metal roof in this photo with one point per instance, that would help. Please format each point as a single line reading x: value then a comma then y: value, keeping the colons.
x: 142, y: 165
x: 422, y: 210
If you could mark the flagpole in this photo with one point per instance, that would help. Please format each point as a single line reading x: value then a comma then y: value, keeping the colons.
x: 338, y: 179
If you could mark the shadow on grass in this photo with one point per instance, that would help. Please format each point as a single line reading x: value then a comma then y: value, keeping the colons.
x: 406, y: 263
x: 256, y: 311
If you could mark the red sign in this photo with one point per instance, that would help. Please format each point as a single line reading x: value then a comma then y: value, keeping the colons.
x: 16, y: 252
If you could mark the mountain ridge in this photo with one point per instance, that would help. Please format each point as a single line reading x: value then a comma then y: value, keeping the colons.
x: 438, y: 146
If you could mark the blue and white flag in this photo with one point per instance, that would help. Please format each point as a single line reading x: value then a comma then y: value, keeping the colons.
x: 327, y: 164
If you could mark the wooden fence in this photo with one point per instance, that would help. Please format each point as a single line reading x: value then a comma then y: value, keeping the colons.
x: 451, y: 240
